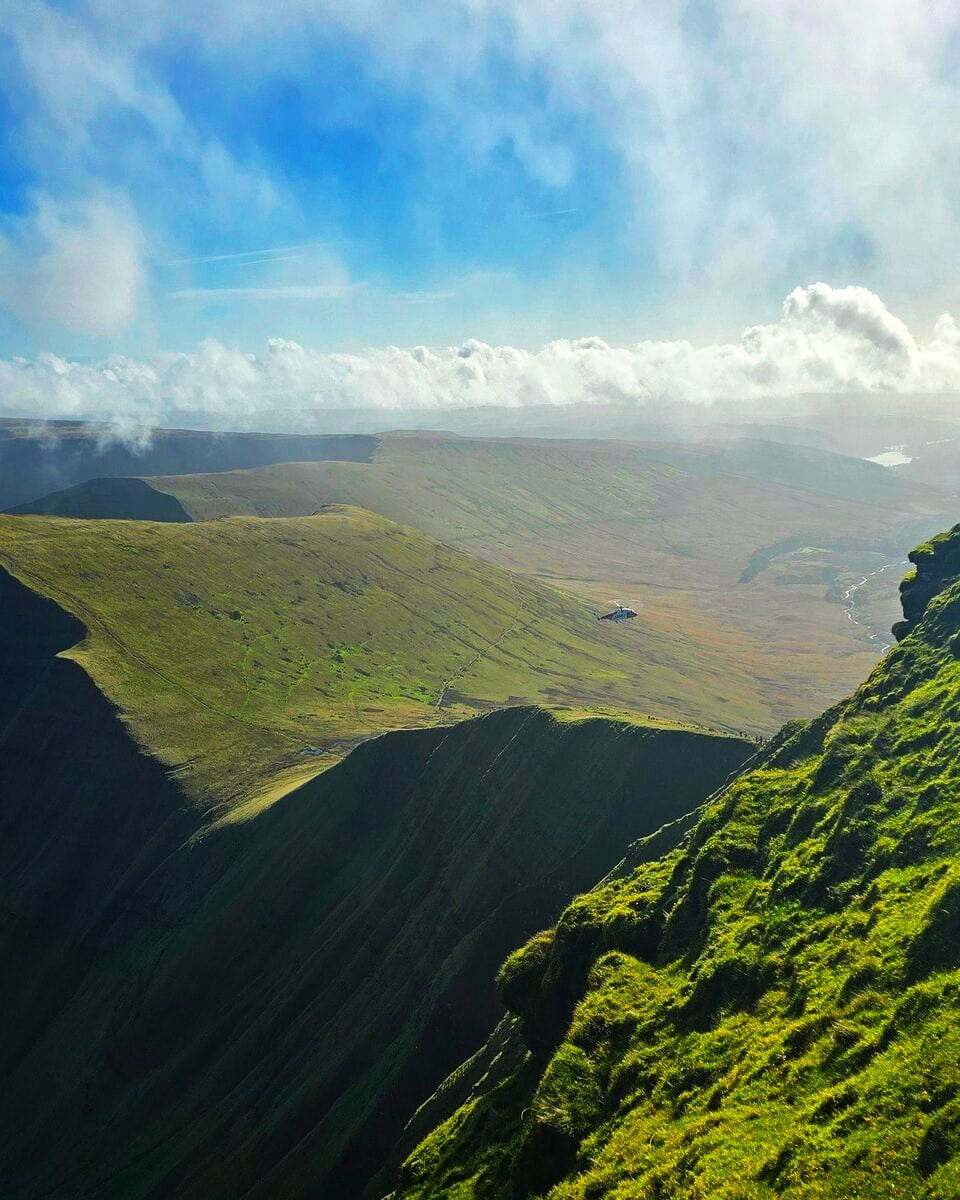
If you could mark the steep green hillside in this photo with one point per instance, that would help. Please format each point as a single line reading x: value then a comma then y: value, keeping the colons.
x: 84, y: 816
x: 773, y: 1009
x: 254, y: 1008
x: 766, y: 573
x: 245, y: 652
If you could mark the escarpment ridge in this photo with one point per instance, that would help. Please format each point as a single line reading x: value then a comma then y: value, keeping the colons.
x: 199, y: 1006
x: 772, y: 1008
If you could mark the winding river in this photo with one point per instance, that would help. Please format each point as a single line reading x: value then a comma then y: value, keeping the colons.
x: 848, y: 599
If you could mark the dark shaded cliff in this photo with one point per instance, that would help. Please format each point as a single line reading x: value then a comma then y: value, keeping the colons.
x: 84, y: 818
x: 256, y: 1009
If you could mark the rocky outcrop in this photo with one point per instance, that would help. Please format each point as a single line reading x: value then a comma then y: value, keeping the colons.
x: 936, y: 563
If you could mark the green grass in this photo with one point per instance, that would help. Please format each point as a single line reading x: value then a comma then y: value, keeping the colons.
x: 773, y: 1010
x: 255, y: 1009
x: 742, y: 625
x: 245, y: 651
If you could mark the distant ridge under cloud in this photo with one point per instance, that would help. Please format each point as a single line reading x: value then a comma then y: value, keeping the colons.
x: 826, y: 340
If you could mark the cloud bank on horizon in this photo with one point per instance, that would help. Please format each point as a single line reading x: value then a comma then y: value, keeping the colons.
x: 826, y: 340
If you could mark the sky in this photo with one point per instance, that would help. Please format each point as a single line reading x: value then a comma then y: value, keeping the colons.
x: 240, y: 205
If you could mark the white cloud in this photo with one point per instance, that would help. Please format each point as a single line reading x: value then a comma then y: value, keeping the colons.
x: 826, y: 340
x: 291, y: 291
x: 79, y: 267
x: 760, y: 134
x: 851, y: 310
x: 99, y: 122
x: 751, y: 142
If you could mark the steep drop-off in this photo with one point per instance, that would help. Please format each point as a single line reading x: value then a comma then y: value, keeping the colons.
x: 773, y: 1009
x: 254, y: 1009
x: 85, y: 817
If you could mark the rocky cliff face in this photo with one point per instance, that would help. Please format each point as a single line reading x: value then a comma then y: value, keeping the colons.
x: 935, y: 563
x: 773, y: 1008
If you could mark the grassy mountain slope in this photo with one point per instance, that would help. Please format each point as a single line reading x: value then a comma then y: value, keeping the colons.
x: 773, y: 1009
x: 245, y: 651
x: 760, y: 567
x: 254, y: 1008
x: 37, y: 457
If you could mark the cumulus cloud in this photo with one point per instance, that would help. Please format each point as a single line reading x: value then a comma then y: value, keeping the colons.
x: 78, y: 267
x: 826, y: 340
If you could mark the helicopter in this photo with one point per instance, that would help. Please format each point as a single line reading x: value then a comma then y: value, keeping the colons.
x: 617, y: 613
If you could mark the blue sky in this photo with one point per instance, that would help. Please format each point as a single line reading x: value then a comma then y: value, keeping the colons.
x: 364, y: 174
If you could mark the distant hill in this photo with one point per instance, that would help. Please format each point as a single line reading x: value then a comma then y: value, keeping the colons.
x: 245, y: 652
x: 121, y: 499
x: 40, y: 457
x: 935, y: 462
x: 545, y: 471
x: 254, y: 1007
x: 766, y: 573
x: 772, y: 1009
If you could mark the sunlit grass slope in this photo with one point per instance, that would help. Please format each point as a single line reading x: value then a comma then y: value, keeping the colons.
x: 739, y: 553
x: 772, y: 1010
x: 245, y: 650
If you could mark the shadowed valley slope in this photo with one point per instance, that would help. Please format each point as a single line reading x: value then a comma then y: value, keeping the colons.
x: 254, y: 1008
